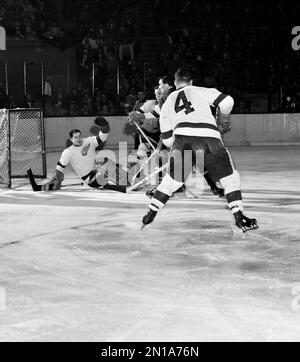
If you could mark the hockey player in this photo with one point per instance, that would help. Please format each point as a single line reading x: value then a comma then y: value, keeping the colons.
x: 150, y: 121
x: 81, y: 155
x: 147, y: 117
x: 165, y: 84
x: 187, y: 123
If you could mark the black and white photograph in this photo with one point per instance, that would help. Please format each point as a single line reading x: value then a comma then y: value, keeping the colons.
x: 149, y: 173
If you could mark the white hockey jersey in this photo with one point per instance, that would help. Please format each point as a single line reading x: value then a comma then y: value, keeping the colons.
x: 81, y: 158
x: 187, y: 112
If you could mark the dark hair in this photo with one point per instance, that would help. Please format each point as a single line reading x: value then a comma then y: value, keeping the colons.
x: 73, y: 131
x: 167, y: 79
x: 184, y: 75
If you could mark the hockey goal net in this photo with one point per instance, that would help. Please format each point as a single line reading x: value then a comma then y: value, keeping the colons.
x: 22, y: 144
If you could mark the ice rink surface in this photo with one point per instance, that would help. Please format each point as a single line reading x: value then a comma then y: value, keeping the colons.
x: 74, y: 265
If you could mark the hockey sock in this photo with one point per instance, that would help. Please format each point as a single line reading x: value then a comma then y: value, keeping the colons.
x: 235, y: 202
x: 159, y: 201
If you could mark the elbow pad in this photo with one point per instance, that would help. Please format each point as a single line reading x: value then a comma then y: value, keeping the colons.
x: 226, y: 105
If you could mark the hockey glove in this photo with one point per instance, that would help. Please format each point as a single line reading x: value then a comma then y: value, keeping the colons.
x: 56, y: 181
x: 136, y: 117
x: 223, y: 123
x: 103, y: 124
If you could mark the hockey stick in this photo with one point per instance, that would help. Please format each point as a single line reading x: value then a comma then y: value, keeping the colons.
x: 144, y: 135
x: 117, y: 188
x: 158, y: 149
x: 37, y: 188
x: 122, y: 189
x: 147, y: 178
x: 72, y: 185
x: 34, y: 185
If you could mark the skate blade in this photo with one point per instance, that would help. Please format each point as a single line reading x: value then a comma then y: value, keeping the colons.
x: 243, y: 231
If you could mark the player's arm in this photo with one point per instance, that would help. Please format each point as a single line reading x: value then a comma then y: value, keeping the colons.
x: 151, y: 121
x: 104, y: 130
x: 141, y: 117
x: 166, y: 126
x: 58, y: 176
x: 224, y: 104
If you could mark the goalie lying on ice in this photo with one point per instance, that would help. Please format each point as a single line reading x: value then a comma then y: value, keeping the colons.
x: 81, y: 155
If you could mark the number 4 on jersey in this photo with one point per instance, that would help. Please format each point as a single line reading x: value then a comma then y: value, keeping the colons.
x: 181, y: 99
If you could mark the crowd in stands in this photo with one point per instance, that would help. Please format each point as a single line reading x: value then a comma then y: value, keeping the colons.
x: 110, y: 51
x: 238, y: 47
x: 81, y: 102
x: 32, y: 20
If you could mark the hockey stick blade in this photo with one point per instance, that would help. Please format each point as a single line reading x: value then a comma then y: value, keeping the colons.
x: 34, y: 185
x: 122, y: 189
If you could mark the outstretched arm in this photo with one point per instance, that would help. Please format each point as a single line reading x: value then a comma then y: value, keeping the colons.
x: 104, y: 130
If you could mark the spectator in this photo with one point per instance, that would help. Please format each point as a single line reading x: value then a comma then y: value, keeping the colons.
x: 47, y: 86
x: 126, y: 52
x: 3, y: 98
x: 28, y: 102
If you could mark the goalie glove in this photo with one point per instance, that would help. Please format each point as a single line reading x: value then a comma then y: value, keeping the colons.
x: 52, y: 185
x: 223, y: 122
x: 56, y: 181
x: 103, y: 124
x: 136, y: 117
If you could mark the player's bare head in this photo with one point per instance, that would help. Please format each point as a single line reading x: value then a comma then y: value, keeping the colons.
x: 158, y: 93
x: 141, y: 95
x: 165, y: 83
x: 183, y: 77
x: 75, y: 137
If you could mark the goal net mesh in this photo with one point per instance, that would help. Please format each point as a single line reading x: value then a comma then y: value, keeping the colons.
x: 4, y: 150
x: 22, y: 140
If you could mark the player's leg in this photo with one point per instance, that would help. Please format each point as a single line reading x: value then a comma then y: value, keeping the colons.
x: 221, y: 167
x: 162, y: 195
x: 109, y: 173
x: 172, y: 181
x: 213, y: 185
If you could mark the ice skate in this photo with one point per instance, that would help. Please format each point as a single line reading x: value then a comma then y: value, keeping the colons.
x: 149, y: 218
x: 244, y: 223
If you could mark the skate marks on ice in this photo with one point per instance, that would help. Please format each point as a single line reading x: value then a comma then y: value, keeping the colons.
x: 262, y: 200
x: 183, y: 278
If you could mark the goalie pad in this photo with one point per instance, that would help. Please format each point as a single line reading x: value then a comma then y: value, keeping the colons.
x: 110, y: 172
x: 136, y: 172
x: 143, y: 150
